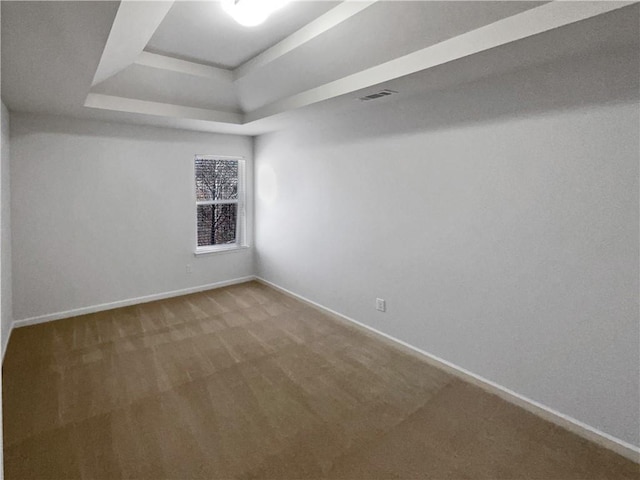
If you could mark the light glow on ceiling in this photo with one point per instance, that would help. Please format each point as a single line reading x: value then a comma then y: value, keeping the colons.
x: 267, y: 184
x: 250, y: 13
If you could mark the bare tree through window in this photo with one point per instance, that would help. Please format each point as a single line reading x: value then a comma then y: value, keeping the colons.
x: 217, y: 200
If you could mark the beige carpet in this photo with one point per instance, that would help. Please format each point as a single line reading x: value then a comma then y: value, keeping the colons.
x: 244, y: 382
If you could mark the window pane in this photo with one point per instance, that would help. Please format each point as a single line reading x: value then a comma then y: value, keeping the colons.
x: 216, y: 179
x: 217, y: 224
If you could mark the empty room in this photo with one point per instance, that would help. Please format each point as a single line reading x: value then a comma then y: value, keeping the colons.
x: 271, y: 239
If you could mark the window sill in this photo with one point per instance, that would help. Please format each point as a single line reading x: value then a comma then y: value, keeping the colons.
x: 221, y: 249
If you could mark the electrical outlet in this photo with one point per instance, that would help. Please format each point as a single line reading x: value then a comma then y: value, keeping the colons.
x: 381, y: 305
x: 189, y: 270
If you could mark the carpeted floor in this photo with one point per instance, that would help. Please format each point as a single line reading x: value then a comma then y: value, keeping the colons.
x: 245, y: 382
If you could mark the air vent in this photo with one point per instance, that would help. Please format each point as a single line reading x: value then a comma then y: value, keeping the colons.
x: 382, y: 93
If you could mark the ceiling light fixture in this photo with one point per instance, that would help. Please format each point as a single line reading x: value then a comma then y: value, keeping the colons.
x: 250, y: 13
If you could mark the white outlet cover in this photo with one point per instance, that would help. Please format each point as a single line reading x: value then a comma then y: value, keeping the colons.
x: 381, y: 305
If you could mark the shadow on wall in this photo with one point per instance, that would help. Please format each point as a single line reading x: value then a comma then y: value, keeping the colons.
x: 578, y: 82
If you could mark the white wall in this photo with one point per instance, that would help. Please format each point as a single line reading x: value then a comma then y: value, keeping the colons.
x: 104, y: 212
x: 6, y: 311
x: 499, y: 220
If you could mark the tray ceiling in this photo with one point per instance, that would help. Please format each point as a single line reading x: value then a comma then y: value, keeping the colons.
x: 202, y: 32
x: 187, y: 64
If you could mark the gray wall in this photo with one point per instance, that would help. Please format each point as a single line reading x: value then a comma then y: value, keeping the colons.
x: 104, y: 212
x: 6, y: 310
x: 498, y: 219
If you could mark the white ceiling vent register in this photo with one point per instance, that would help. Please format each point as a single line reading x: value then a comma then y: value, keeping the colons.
x: 382, y: 93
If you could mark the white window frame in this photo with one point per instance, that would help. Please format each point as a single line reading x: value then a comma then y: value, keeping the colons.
x: 241, y: 217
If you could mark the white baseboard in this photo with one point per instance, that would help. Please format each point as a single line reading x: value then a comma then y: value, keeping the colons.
x: 125, y: 303
x: 588, y: 432
x: 621, y: 447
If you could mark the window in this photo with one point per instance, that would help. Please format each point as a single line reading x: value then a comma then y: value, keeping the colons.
x: 220, y: 211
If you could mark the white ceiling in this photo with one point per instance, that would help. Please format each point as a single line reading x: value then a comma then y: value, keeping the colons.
x: 50, y: 52
x: 382, y: 32
x: 202, y: 32
x: 308, y: 56
x: 166, y: 86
